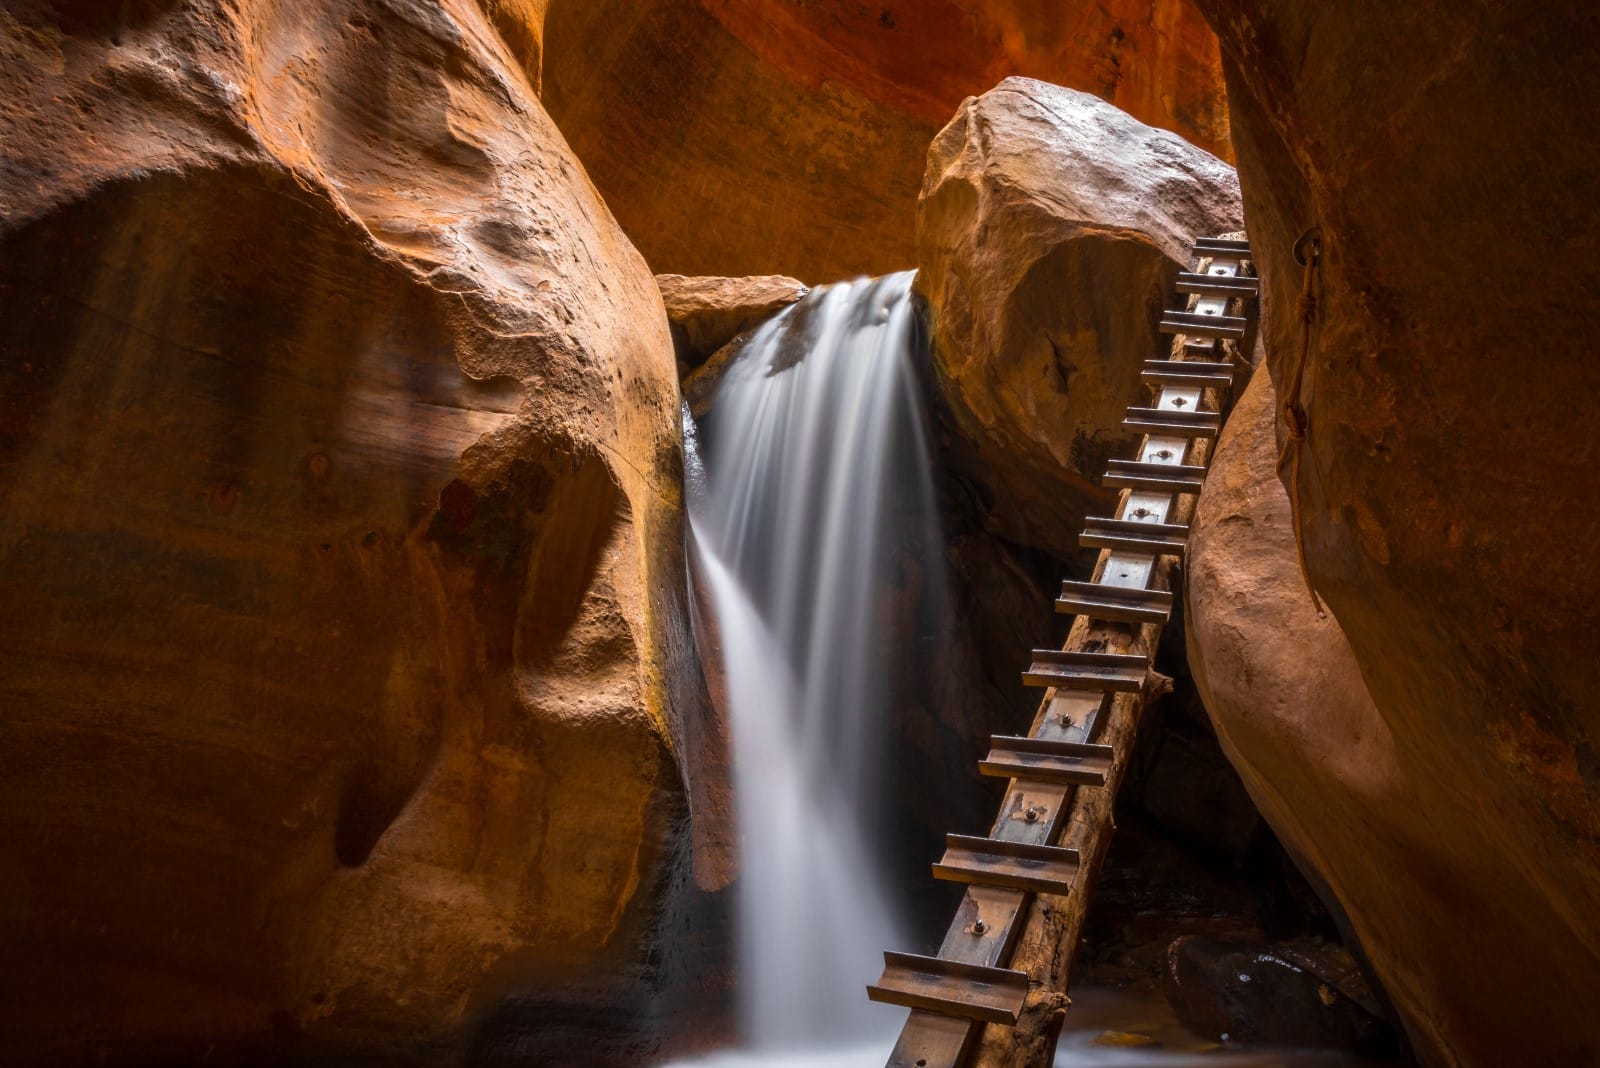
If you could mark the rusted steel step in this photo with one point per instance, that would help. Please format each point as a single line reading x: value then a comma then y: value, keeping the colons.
x: 1048, y: 761
x: 1219, y: 285
x: 1120, y: 604
x: 1043, y: 869
x: 970, y: 991
x: 1220, y: 246
x: 1202, y: 373
x: 1071, y: 670
x: 1168, y: 478
x: 1202, y: 325
x: 1131, y: 535
x: 1173, y: 422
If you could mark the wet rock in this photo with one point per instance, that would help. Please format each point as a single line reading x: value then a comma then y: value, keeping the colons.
x: 1049, y: 231
x: 346, y: 669
x: 766, y: 135
x: 707, y: 313
x: 1257, y: 993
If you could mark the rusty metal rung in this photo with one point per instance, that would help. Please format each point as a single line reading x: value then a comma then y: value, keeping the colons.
x: 1048, y: 761
x: 1220, y: 246
x: 1072, y: 670
x: 1138, y: 475
x: 1211, y: 421
x: 1156, y: 539
x: 971, y: 991
x: 1220, y: 285
x: 1201, y: 325
x: 1043, y: 869
x: 1120, y: 604
x: 1201, y: 373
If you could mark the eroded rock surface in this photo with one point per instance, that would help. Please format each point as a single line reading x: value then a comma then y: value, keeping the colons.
x: 1392, y: 817
x: 749, y: 136
x: 1049, y: 232
x: 344, y: 644
x: 707, y: 313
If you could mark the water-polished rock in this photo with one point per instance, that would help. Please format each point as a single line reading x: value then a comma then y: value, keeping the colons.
x: 749, y: 136
x: 344, y: 641
x: 1050, y: 229
x: 1449, y: 481
x: 1393, y: 835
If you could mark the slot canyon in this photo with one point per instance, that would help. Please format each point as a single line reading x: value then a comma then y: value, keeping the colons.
x: 530, y: 526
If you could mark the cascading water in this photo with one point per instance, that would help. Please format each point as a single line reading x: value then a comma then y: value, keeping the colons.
x: 815, y: 466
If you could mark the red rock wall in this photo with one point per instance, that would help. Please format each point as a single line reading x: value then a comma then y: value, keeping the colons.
x: 753, y: 137
x: 1448, y: 487
x: 344, y: 644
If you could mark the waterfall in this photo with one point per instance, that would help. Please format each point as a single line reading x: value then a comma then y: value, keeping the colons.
x: 815, y: 475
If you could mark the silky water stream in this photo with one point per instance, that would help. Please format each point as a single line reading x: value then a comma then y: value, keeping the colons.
x: 809, y: 481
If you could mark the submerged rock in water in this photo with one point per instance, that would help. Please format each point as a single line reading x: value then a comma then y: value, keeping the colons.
x: 344, y: 641
x: 1287, y: 995
x: 1049, y: 232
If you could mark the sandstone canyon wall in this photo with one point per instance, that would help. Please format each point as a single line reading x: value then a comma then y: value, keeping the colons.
x: 753, y: 136
x: 344, y: 656
x: 1447, y: 490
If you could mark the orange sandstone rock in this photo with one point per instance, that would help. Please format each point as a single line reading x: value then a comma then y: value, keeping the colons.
x: 1050, y: 230
x: 749, y: 136
x: 345, y: 660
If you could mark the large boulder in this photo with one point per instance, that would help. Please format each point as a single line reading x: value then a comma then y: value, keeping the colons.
x: 707, y: 313
x: 749, y: 136
x: 1388, y: 816
x: 345, y: 663
x: 1050, y: 229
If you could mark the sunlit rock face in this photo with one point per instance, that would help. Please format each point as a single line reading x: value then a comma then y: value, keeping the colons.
x: 753, y: 136
x: 1050, y: 229
x: 1449, y: 481
x: 344, y: 661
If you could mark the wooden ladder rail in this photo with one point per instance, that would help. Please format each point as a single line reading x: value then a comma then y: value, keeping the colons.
x: 996, y: 989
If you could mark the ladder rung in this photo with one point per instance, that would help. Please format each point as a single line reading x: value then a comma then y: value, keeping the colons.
x: 1217, y: 246
x: 1016, y: 865
x: 1201, y: 373
x: 970, y: 991
x: 1072, y: 670
x: 1043, y: 760
x: 1222, y: 285
x: 1119, y: 604
x: 1138, y: 475
x: 1175, y: 422
x: 1183, y: 322
x: 1155, y: 539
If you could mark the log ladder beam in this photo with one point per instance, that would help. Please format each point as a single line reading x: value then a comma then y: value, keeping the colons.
x: 985, y: 996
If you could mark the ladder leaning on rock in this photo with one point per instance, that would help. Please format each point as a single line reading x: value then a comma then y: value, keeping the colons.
x: 995, y: 994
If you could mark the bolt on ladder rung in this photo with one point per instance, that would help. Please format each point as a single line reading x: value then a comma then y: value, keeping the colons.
x: 1118, y: 604
x: 1048, y: 761
x: 1201, y: 373
x: 1173, y: 422
x: 1043, y: 869
x: 951, y: 988
x: 1219, y: 285
x: 1131, y: 535
x: 1072, y: 670
x: 1220, y: 246
x: 1202, y: 325
x: 1140, y: 475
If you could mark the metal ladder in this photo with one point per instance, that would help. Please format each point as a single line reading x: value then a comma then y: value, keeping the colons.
x: 1016, y: 930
